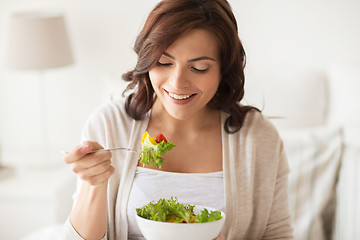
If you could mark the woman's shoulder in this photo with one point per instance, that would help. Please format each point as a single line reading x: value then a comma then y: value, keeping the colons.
x: 109, y: 121
x: 112, y: 111
x: 111, y: 106
x: 259, y: 126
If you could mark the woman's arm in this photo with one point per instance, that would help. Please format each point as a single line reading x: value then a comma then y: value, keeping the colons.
x: 88, y: 216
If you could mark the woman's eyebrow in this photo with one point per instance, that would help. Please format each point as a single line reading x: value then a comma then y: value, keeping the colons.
x: 191, y: 60
x: 201, y: 58
x: 168, y: 55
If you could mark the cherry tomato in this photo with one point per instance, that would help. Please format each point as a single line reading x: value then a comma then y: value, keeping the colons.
x: 160, y: 137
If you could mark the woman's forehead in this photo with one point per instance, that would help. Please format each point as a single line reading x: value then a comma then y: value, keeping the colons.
x: 196, y: 43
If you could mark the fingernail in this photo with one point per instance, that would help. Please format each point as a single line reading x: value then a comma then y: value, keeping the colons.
x: 84, y: 149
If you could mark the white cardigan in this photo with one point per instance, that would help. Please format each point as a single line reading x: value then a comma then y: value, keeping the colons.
x: 255, y: 174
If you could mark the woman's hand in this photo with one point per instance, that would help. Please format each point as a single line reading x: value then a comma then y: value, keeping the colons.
x: 94, y: 168
x: 88, y: 216
x: 220, y: 237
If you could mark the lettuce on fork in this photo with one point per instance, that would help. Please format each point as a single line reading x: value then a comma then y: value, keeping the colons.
x: 152, y: 149
x: 172, y: 211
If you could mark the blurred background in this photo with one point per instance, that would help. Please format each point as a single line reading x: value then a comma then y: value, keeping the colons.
x: 284, y: 39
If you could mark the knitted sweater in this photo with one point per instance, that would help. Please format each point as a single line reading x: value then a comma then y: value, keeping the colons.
x: 254, y: 165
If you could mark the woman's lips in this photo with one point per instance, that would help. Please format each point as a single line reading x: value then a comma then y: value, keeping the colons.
x: 180, y: 98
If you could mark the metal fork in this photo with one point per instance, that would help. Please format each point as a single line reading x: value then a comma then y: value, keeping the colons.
x: 113, y: 149
x: 117, y: 148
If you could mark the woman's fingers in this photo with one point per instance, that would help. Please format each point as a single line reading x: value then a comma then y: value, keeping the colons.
x: 100, y: 178
x: 91, y: 160
x: 94, y: 168
x: 80, y: 151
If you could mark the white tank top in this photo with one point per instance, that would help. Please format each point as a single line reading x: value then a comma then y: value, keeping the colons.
x: 206, y: 189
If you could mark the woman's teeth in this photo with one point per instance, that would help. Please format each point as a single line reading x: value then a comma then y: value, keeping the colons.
x: 179, y: 97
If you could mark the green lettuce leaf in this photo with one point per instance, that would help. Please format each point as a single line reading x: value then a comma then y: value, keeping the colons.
x: 151, y: 154
x: 206, y: 216
x: 166, y: 209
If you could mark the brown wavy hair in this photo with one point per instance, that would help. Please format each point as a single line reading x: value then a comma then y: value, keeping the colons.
x: 166, y: 22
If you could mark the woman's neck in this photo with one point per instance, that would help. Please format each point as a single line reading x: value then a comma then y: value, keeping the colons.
x: 203, y: 120
x: 198, y: 140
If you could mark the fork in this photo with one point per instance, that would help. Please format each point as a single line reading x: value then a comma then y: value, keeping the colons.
x: 118, y: 148
x: 113, y: 149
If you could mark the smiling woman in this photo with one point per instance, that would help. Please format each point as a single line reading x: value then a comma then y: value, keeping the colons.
x: 165, y: 24
x: 187, y: 84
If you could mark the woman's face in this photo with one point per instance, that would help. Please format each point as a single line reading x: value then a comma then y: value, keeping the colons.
x: 187, y: 74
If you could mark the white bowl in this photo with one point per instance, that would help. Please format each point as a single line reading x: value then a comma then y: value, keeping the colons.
x: 156, y: 230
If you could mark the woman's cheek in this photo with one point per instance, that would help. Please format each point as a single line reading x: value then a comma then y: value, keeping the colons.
x: 155, y: 76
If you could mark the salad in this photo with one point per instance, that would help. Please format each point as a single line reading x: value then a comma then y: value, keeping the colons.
x: 153, y: 148
x: 172, y: 211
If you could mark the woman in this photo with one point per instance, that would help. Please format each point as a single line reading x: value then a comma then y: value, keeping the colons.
x: 187, y: 84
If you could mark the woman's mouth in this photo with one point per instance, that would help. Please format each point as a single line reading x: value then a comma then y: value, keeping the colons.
x: 180, y: 98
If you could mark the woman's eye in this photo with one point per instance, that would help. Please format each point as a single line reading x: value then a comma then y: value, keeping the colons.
x: 164, y: 64
x: 199, y: 70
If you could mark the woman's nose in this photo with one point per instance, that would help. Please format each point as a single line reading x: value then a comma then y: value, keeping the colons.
x: 179, y: 79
